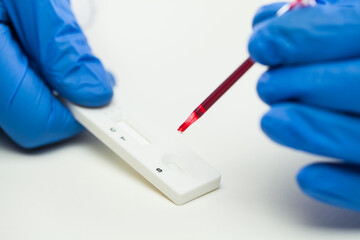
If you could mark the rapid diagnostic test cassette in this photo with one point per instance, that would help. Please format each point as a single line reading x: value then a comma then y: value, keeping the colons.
x: 164, y: 161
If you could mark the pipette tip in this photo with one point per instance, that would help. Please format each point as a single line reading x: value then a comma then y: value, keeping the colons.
x: 190, y: 120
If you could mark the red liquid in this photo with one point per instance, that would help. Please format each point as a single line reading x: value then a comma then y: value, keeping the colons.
x: 195, y: 115
x: 228, y: 83
x: 209, y: 101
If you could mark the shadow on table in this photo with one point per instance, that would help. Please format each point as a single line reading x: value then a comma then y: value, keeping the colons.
x: 295, y: 206
x: 320, y: 215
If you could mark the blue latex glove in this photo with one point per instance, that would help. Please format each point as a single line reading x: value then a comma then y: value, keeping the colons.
x: 313, y: 89
x: 42, y: 48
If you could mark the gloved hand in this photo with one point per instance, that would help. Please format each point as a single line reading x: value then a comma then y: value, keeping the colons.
x: 42, y: 49
x: 313, y: 89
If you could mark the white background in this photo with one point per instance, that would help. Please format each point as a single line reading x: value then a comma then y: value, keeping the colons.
x: 167, y: 56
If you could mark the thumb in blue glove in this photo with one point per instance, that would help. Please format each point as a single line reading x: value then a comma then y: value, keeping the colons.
x: 313, y: 89
x: 45, y: 50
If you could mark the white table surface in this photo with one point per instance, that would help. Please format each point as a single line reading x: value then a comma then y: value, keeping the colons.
x: 167, y: 56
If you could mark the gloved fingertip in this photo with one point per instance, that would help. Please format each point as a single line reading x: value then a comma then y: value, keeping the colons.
x: 95, y: 97
x: 276, y: 116
x: 261, y: 49
x: 308, y: 178
x: 331, y: 183
x: 269, y: 124
x: 111, y: 78
x: 313, y: 184
x: 90, y: 86
x: 278, y: 125
x: 264, y: 89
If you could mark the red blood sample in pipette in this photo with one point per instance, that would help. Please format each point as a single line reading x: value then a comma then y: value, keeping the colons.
x: 232, y: 79
x: 210, y: 100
